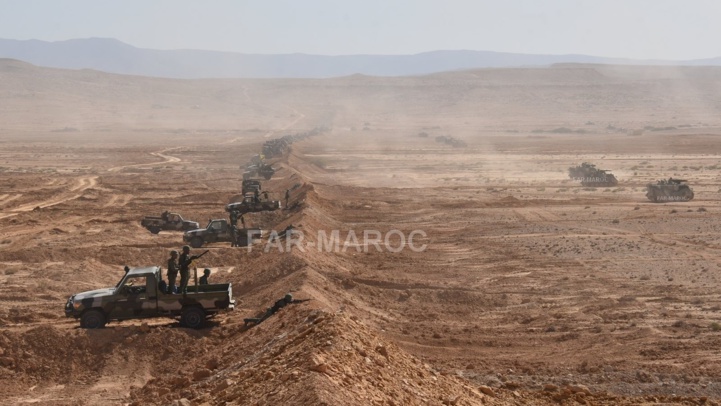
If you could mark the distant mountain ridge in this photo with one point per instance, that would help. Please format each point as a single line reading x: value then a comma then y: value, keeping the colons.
x: 113, y: 56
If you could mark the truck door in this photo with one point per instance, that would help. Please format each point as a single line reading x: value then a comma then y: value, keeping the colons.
x: 216, y: 229
x: 176, y: 222
x: 132, y: 299
x: 226, y: 233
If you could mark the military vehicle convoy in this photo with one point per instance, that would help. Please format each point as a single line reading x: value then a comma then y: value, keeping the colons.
x: 591, y: 176
x: 669, y: 190
x: 220, y: 230
x: 138, y: 296
x: 168, y: 221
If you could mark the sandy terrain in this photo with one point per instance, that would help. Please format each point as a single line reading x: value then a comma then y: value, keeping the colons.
x: 531, y: 289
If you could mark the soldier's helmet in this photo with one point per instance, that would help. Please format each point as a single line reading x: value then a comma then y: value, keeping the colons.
x: 288, y: 297
x: 186, y: 248
x: 206, y: 271
x: 174, y: 253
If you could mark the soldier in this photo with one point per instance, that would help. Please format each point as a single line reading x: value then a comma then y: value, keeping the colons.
x: 256, y: 194
x: 234, y: 235
x: 287, y: 196
x: 233, y: 218
x: 172, y: 271
x: 184, y: 264
x: 204, y: 279
x: 279, y: 304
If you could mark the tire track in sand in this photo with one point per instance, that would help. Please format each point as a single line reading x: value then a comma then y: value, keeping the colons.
x: 166, y: 159
x: 81, y: 184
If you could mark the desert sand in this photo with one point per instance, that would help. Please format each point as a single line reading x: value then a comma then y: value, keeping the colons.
x: 531, y: 289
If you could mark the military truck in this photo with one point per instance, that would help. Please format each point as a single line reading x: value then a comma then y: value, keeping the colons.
x: 220, y: 230
x: 591, y: 176
x: 168, y: 221
x: 252, y: 204
x: 265, y: 171
x: 671, y: 190
x: 138, y: 296
x: 250, y: 186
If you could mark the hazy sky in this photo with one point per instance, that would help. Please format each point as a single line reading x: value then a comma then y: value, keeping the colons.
x: 640, y: 29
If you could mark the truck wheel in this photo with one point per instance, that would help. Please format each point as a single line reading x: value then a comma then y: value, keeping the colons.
x: 192, y: 317
x: 92, y: 319
x: 196, y: 242
x: 154, y: 230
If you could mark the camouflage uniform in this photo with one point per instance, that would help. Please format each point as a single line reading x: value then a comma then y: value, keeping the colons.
x: 184, y: 263
x: 172, y: 270
x: 279, y: 304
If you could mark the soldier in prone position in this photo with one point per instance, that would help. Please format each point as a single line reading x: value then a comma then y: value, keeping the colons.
x: 279, y: 304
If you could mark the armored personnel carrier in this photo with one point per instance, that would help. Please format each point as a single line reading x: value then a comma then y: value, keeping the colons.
x: 589, y: 175
x: 669, y: 190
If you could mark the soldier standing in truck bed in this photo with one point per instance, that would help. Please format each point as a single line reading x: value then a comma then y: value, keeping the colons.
x: 184, y: 264
x: 172, y: 271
